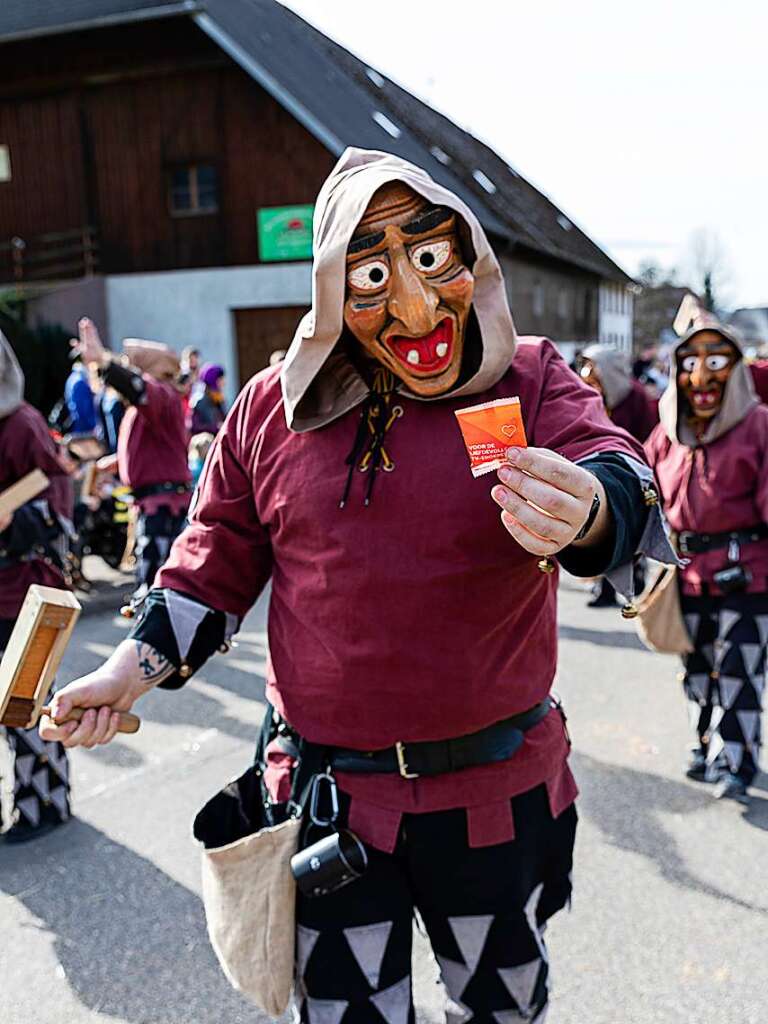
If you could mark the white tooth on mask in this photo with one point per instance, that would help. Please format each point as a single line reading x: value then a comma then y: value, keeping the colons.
x: 441, y: 349
x: 413, y: 357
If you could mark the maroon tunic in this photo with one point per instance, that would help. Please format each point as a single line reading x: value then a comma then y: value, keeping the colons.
x: 717, y: 487
x: 415, y: 618
x: 152, y: 445
x: 759, y: 371
x: 25, y: 444
x: 638, y: 414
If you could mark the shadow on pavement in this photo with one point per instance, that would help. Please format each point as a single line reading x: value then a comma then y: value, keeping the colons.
x: 625, y: 805
x: 131, y: 941
x: 602, y: 637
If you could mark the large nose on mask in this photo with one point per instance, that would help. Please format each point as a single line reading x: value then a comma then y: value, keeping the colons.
x: 411, y: 300
x: 700, y: 375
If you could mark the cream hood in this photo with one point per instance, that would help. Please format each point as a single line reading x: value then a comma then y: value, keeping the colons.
x: 318, y: 380
x: 615, y: 372
x: 739, y: 397
x: 11, y: 379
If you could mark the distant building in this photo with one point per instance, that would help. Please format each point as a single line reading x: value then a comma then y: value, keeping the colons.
x: 159, y: 161
x: 655, y: 310
x: 752, y: 324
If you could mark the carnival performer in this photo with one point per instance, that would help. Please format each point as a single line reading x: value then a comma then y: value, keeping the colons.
x: 33, y: 545
x: 207, y: 408
x: 627, y: 402
x: 709, y: 453
x: 407, y: 609
x: 152, y: 442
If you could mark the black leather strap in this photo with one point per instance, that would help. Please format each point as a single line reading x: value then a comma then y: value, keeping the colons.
x: 696, y: 543
x: 497, y: 742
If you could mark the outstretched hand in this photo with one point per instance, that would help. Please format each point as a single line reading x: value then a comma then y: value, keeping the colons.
x: 546, y: 500
x: 88, y: 345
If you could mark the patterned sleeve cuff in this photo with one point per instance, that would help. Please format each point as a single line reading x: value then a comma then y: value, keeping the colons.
x: 185, y: 631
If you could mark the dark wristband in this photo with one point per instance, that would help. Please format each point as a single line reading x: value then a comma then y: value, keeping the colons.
x: 590, y: 522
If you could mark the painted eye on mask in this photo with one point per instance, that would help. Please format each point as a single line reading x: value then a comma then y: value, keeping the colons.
x: 431, y: 256
x: 688, y: 364
x: 717, y: 362
x: 369, y: 276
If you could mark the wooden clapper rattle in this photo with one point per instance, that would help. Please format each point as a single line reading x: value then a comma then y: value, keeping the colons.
x: 33, y: 654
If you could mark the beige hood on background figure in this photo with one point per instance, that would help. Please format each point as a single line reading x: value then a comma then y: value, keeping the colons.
x: 319, y: 382
x: 614, y: 370
x: 11, y: 379
x: 738, y: 399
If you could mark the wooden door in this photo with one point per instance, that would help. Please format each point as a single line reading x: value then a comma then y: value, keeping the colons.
x: 260, y: 332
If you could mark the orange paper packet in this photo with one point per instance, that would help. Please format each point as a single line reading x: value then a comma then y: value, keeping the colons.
x: 488, y: 430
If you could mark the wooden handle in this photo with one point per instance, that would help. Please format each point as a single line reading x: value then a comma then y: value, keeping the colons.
x: 22, y: 491
x: 128, y: 722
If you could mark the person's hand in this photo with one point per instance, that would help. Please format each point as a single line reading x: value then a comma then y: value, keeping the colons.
x: 107, y: 464
x: 88, y: 344
x: 104, y: 694
x: 546, y: 500
x: 132, y: 670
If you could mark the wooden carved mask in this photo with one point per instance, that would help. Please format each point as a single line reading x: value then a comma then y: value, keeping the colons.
x: 408, y: 289
x: 704, y: 365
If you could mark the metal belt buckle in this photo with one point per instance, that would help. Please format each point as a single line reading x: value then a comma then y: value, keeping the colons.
x: 402, y: 763
x: 682, y: 541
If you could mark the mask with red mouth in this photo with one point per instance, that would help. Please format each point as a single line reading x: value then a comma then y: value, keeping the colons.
x: 704, y: 364
x: 408, y: 290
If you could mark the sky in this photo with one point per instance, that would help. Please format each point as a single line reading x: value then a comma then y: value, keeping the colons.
x: 644, y: 123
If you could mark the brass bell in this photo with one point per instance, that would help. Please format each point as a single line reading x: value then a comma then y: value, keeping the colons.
x: 546, y: 565
x: 127, y: 611
x: 185, y: 671
x: 629, y: 611
x: 650, y: 496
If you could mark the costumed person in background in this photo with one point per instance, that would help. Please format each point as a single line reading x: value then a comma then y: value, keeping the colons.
x: 152, y: 443
x: 607, y: 370
x: 710, y: 454
x: 199, y: 447
x: 630, y: 407
x: 207, y: 407
x: 409, y: 605
x: 33, y: 547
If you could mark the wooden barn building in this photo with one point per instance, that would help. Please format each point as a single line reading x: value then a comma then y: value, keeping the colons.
x: 159, y: 160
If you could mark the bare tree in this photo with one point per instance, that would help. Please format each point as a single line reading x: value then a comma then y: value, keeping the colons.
x: 710, y: 268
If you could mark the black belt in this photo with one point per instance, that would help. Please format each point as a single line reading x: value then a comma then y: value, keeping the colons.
x: 689, y: 543
x: 497, y: 742
x: 151, y: 489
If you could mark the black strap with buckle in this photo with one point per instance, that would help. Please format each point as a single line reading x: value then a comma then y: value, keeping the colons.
x: 497, y: 742
x: 689, y: 543
x: 150, y: 490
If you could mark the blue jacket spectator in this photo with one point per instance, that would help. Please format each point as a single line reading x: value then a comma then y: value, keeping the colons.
x: 79, y: 399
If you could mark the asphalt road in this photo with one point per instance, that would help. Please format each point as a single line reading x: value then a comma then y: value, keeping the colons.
x: 102, y: 919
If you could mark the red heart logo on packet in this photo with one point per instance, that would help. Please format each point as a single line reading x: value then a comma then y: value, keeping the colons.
x: 509, y: 429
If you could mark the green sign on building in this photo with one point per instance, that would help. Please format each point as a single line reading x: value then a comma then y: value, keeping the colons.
x: 285, y: 232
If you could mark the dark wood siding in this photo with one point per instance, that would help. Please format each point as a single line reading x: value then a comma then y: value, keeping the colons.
x: 46, y: 191
x: 105, y: 125
x: 551, y: 300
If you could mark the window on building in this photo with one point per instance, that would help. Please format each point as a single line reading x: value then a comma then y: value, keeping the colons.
x: 193, y: 189
x: 562, y: 303
x: 537, y: 301
x: 5, y: 163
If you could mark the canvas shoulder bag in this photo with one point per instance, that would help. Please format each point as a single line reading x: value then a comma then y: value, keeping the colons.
x: 249, y: 893
x: 660, y: 623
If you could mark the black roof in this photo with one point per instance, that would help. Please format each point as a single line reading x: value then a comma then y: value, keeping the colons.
x: 343, y: 102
